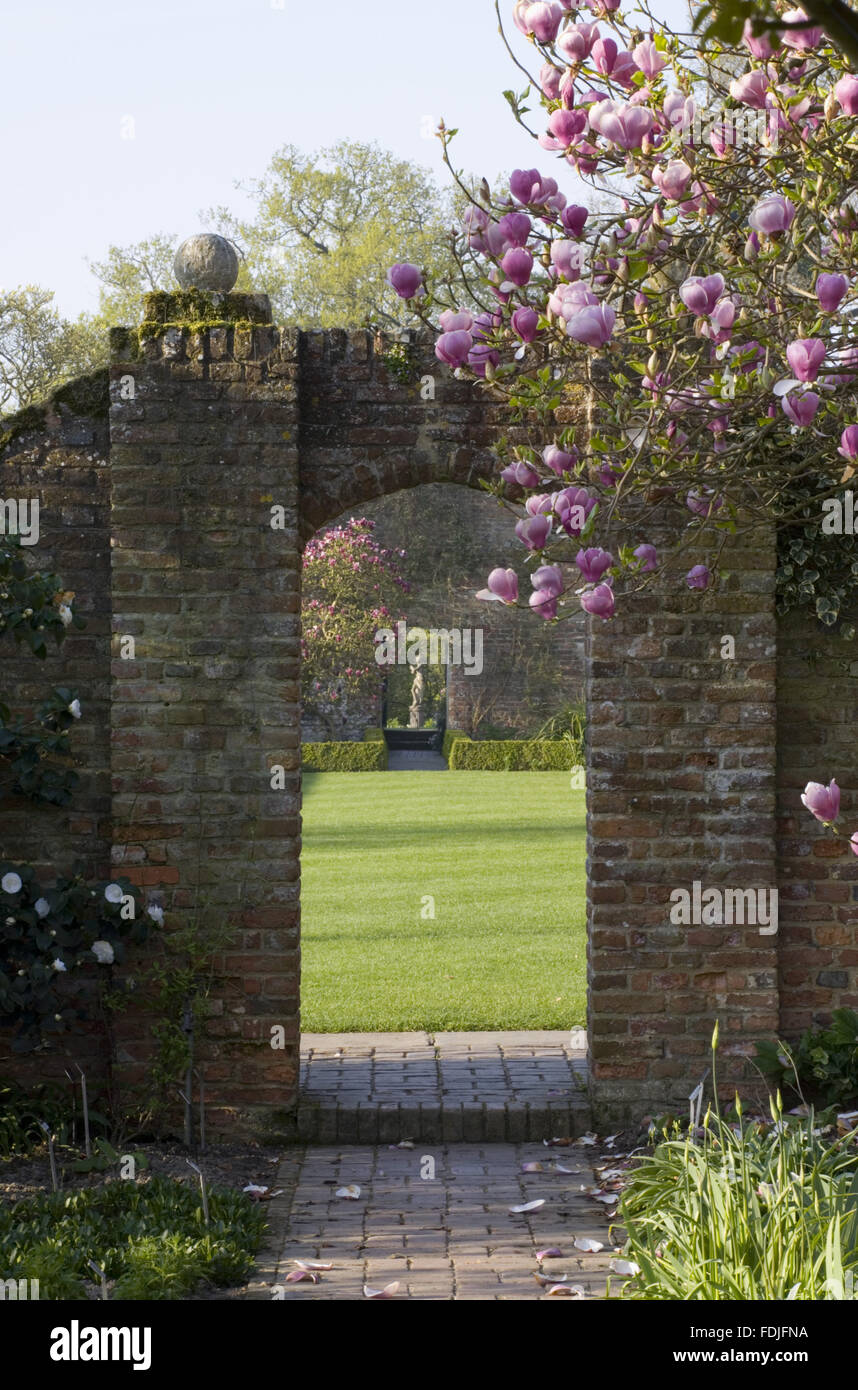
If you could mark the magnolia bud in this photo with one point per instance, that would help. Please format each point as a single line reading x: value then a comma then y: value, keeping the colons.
x: 831, y: 107
x: 622, y: 271
x: 652, y: 366
x: 699, y: 326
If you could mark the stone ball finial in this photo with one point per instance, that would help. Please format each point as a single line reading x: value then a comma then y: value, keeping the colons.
x: 206, y: 262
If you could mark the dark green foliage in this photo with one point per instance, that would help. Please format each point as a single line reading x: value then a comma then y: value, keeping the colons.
x: 61, y: 924
x: 514, y: 755
x: 370, y: 756
x: 824, y: 1062
x: 150, y: 1237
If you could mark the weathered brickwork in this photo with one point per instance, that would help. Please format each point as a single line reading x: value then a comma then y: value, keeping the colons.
x: 166, y: 525
x: 817, y: 872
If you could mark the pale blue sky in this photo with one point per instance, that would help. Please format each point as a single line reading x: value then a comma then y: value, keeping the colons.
x: 213, y: 87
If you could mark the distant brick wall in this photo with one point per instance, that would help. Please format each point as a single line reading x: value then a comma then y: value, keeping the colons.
x: 689, y: 754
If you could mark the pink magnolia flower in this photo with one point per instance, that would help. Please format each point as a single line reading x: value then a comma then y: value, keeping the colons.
x: 772, y: 215
x: 549, y: 578
x: 592, y: 326
x: 805, y: 356
x: 622, y: 123
x: 830, y: 289
x: 593, y: 563
x: 544, y: 602
x: 648, y: 58
x: 703, y: 503
x: 822, y: 802
x: 406, y: 279
x: 543, y: 20
x: 559, y: 460
x: 517, y: 266
x: 521, y: 473
x: 573, y: 219
x: 760, y: 47
x: 573, y: 507
x: 549, y: 81
x: 566, y: 258
x: 576, y: 42
x: 700, y: 294
x: 454, y: 348
x: 752, y: 88
x: 807, y: 37
x: 599, y: 601
x: 648, y: 556
x: 525, y: 185
x: 525, y: 323
x: 502, y: 587
x: 846, y: 92
x: 800, y: 409
x: 515, y: 228
x: 456, y: 321
x: 849, y: 443
x: 533, y: 531
x: 673, y: 178
x: 564, y: 126
x: 698, y: 577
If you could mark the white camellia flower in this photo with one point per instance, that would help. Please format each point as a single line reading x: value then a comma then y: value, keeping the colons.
x: 157, y: 914
x: 41, y: 907
x: 103, y: 952
x: 74, y: 709
x: 113, y: 893
x: 59, y: 965
x: 65, y: 614
x: 11, y: 883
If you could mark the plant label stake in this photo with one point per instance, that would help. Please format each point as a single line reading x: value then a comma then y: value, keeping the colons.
x: 695, y: 1102
x: 205, y: 1196
x: 85, y: 1104
x: 100, y: 1272
x: 54, y: 1179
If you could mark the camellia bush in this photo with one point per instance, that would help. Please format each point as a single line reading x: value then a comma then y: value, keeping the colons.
x: 707, y: 307
x: 51, y: 939
x: 350, y: 586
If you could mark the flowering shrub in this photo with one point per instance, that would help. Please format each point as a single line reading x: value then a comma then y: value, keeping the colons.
x: 708, y: 311
x: 47, y: 938
x: 33, y: 608
x: 351, y: 585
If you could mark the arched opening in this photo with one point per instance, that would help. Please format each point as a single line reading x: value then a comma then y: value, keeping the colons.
x: 443, y: 956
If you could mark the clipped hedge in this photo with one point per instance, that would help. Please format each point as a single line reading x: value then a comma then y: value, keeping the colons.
x: 373, y: 735
x: 450, y: 736
x: 513, y: 755
x: 344, y: 757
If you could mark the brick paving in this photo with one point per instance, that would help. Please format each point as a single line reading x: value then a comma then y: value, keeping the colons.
x: 442, y: 1087
x: 436, y: 1219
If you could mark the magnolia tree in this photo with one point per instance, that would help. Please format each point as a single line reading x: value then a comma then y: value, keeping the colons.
x: 351, y: 586
x: 709, y: 315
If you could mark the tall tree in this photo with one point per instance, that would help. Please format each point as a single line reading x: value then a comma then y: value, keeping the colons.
x: 327, y: 225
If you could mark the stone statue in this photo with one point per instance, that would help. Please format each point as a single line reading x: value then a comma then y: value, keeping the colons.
x: 418, y: 686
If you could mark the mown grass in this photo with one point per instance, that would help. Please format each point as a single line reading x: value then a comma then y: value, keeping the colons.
x: 501, y: 854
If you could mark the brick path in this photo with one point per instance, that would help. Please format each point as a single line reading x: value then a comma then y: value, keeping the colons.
x: 443, y: 1087
x: 447, y: 1236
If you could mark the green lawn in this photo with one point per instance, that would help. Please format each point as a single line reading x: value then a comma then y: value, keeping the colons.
x: 502, y: 853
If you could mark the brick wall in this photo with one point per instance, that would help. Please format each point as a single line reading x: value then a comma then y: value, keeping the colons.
x: 818, y: 873
x: 225, y: 422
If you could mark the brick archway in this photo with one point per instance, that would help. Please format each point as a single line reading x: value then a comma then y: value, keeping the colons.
x: 215, y: 421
